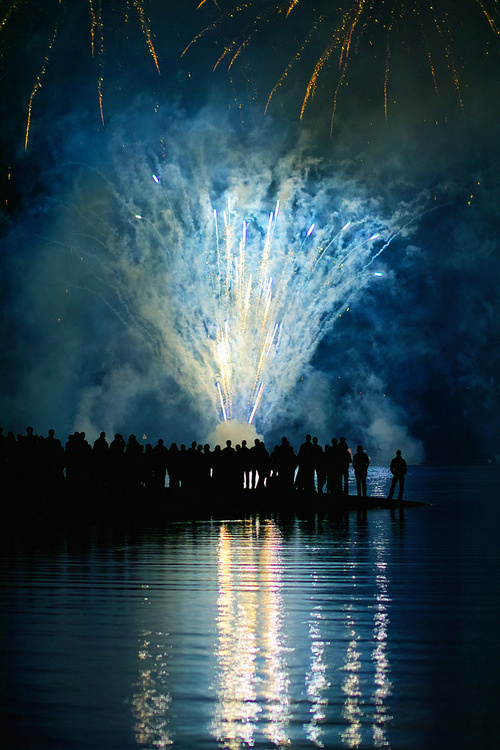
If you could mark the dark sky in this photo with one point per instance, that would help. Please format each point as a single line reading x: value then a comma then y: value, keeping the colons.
x: 416, y: 361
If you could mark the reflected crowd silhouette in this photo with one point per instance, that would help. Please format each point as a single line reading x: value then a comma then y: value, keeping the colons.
x: 35, y: 463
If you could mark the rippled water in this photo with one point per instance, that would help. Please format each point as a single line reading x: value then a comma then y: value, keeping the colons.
x: 353, y: 631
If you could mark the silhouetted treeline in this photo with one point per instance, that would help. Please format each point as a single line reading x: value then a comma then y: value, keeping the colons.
x: 33, y: 462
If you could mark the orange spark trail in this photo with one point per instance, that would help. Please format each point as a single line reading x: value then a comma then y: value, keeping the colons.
x: 147, y: 32
x: 353, y: 23
x: 36, y: 88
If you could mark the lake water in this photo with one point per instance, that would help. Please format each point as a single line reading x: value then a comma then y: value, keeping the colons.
x: 352, y: 631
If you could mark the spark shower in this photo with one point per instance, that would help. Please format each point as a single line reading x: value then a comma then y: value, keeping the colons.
x: 231, y: 273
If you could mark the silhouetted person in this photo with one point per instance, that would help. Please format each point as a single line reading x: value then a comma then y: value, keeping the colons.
x: 77, y: 457
x: 344, y: 461
x: 306, y: 458
x: 190, y: 468
x: 10, y: 450
x: 283, y: 463
x: 160, y: 463
x: 206, y: 467
x: 245, y: 460
x: 217, y: 469
x: 174, y: 466
x: 360, y: 463
x: 182, y: 463
x: 237, y: 467
x: 133, y: 461
x: 28, y: 458
x: 116, y: 461
x: 53, y: 461
x: 333, y: 462
x: 260, y: 465
x: 287, y: 463
x: 319, y: 464
x: 133, y: 456
x: 100, y: 459
x: 253, y: 461
x: 398, y: 469
x: 230, y: 467
x: 147, y: 467
x: 200, y: 482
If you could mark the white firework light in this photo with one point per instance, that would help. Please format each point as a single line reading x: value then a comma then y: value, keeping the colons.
x: 233, y: 299
x: 263, y: 321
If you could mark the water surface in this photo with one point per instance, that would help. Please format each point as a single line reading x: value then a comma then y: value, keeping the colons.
x: 339, y: 631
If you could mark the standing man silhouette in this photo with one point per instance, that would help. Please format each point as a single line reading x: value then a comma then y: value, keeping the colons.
x: 398, y: 469
x: 344, y: 461
x: 360, y: 463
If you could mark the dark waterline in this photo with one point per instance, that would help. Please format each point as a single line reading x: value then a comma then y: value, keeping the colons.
x: 374, y: 630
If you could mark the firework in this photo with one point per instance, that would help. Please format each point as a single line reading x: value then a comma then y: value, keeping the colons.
x: 258, y: 306
x: 354, y: 28
x: 13, y: 14
x: 232, y: 300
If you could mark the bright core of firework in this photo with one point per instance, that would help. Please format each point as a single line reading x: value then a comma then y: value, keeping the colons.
x: 232, y: 300
x: 256, y: 292
x: 262, y: 304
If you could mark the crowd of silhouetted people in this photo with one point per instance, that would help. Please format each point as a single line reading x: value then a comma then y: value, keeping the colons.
x: 39, y: 462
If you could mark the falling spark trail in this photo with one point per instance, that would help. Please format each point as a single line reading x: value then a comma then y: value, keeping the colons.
x: 222, y: 402
x: 354, y: 28
x: 259, y: 395
x: 37, y: 87
x: 101, y: 14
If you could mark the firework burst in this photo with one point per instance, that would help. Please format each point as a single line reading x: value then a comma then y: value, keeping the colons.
x: 232, y: 300
x: 330, y: 36
x: 46, y: 20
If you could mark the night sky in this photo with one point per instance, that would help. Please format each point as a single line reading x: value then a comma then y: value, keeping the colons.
x: 415, y: 363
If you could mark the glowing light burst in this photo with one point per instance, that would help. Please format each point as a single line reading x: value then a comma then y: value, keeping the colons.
x: 353, y: 28
x: 100, y: 12
x: 264, y: 303
x: 263, y: 290
x: 233, y: 301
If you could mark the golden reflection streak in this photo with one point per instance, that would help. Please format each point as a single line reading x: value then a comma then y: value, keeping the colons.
x: 237, y: 709
x: 151, y: 702
x: 353, y: 710
x: 379, y: 655
x: 250, y: 624
x: 351, y: 686
x: 316, y: 681
x: 275, y: 685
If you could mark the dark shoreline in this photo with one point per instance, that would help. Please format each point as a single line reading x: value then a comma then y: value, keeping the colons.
x: 93, y: 505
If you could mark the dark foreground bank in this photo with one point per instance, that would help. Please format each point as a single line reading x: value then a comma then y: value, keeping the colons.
x: 84, y: 505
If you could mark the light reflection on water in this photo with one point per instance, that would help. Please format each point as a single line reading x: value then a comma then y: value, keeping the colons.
x: 151, y: 702
x: 270, y: 668
x: 383, y: 684
x: 251, y: 682
x: 351, y: 631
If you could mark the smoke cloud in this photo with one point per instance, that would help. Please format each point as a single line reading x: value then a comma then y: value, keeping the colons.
x: 215, y: 266
x: 115, y: 322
